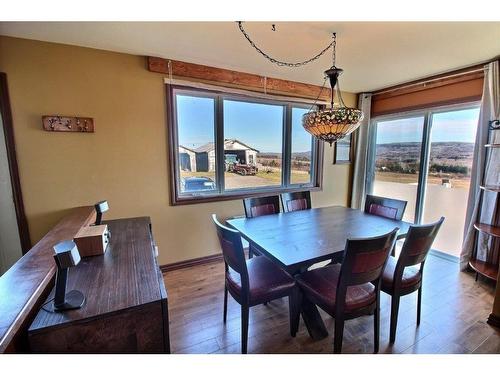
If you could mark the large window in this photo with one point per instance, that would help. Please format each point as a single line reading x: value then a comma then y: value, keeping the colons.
x: 425, y: 158
x: 226, y: 146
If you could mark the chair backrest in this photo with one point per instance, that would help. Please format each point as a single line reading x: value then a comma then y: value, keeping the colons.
x: 296, y: 201
x: 417, y: 244
x: 385, y: 207
x: 365, y: 259
x: 261, y: 206
x: 232, y: 251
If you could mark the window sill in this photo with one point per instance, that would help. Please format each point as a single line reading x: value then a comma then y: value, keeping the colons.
x: 182, y: 200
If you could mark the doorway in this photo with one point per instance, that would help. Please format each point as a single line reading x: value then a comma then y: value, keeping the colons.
x: 14, y: 237
x: 425, y: 158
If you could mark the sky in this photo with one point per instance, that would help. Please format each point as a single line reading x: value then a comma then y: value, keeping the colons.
x: 260, y: 125
x: 456, y: 126
x: 257, y: 125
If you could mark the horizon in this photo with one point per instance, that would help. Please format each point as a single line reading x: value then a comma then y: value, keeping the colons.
x: 462, y: 122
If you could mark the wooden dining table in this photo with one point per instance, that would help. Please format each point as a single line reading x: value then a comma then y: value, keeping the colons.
x: 297, y: 240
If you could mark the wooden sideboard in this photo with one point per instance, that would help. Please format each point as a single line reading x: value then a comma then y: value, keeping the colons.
x: 26, y: 284
x: 126, y: 308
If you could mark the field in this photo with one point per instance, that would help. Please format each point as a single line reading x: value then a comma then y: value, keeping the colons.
x: 439, y: 201
x: 447, y: 189
x: 434, y: 179
x: 265, y: 177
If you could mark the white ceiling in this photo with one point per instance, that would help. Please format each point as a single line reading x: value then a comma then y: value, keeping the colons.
x: 373, y: 54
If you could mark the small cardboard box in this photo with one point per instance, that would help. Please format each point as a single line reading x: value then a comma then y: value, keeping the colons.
x: 92, y: 240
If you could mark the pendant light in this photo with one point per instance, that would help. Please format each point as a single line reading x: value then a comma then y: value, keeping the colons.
x: 338, y: 121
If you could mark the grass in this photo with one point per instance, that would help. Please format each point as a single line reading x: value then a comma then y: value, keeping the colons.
x: 272, y: 176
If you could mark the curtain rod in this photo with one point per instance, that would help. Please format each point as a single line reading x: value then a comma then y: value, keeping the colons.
x: 425, y: 81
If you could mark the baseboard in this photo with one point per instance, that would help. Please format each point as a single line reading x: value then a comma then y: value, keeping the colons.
x: 444, y: 256
x: 218, y: 257
x: 190, y: 263
x: 493, y: 320
x: 194, y: 262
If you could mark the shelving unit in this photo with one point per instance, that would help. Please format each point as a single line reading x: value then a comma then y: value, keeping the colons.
x: 489, y: 269
x: 491, y: 230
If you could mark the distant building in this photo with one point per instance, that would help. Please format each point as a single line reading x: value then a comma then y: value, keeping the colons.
x: 202, y: 159
x: 244, y: 153
x: 187, y: 159
x: 205, y: 157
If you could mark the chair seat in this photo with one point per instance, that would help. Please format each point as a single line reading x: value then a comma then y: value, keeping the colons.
x: 321, y: 284
x: 411, y: 275
x: 266, y: 280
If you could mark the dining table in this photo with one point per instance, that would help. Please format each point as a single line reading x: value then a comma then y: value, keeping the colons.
x: 297, y: 240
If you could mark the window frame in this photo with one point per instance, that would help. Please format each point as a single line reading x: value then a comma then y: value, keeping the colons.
x: 220, y: 194
x: 427, y: 114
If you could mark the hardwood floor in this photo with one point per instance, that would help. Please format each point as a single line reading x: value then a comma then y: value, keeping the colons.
x: 454, y: 313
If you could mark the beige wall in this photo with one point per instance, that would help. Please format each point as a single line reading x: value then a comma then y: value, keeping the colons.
x: 125, y: 160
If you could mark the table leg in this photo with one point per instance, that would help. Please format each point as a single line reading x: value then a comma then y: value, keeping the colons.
x: 312, y: 319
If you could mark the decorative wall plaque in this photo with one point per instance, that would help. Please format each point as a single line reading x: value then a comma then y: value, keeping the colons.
x: 56, y: 123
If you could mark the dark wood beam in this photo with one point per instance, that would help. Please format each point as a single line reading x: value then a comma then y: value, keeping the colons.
x: 232, y: 78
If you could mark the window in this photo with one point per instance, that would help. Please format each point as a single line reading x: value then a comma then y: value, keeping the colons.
x: 425, y: 158
x: 397, y: 160
x: 196, y: 149
x: 228, y: 146
x: 253, y: 130
x: 302, y: 150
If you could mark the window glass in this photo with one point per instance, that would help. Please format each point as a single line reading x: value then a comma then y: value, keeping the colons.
x: 253, y: 144
x: 302, y: 152
x: 397, y: 161
x: 450, y: 162
x: 196, y: 144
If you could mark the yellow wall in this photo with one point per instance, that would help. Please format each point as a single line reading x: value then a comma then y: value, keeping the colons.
x: 125, y: 160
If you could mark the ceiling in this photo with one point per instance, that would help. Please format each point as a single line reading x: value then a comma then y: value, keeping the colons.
x: 373, y: 54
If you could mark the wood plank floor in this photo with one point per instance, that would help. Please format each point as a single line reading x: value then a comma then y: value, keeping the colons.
x: 454, y: 313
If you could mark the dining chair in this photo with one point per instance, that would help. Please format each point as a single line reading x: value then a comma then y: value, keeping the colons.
x: 351, y: 289
x: 385, y: 207
x: 260, y: 206
x: 296, y: 201
x: 402, y: 276
x: 254, y: 281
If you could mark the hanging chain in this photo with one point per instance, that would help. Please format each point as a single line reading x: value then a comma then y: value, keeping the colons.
x: 319, y: 95
x: 289, y: 64
x: 334, y: 49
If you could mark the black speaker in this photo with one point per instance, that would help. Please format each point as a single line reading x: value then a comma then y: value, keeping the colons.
x: 66, y: 256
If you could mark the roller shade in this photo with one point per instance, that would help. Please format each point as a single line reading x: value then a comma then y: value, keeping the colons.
x: 455, y: 88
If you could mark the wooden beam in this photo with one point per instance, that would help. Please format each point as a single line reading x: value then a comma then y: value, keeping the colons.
x: 232, y: 78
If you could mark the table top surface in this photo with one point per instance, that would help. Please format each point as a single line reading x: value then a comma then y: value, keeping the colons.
x: 125, y: 276
x: 301, y: 238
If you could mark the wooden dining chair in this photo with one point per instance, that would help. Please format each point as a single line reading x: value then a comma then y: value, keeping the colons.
x: 402, y: 276
x: 351, y: 289
x: 296, y: 201
x: 385, y: 207
x: 260, y: 206
x: 254, y: 281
